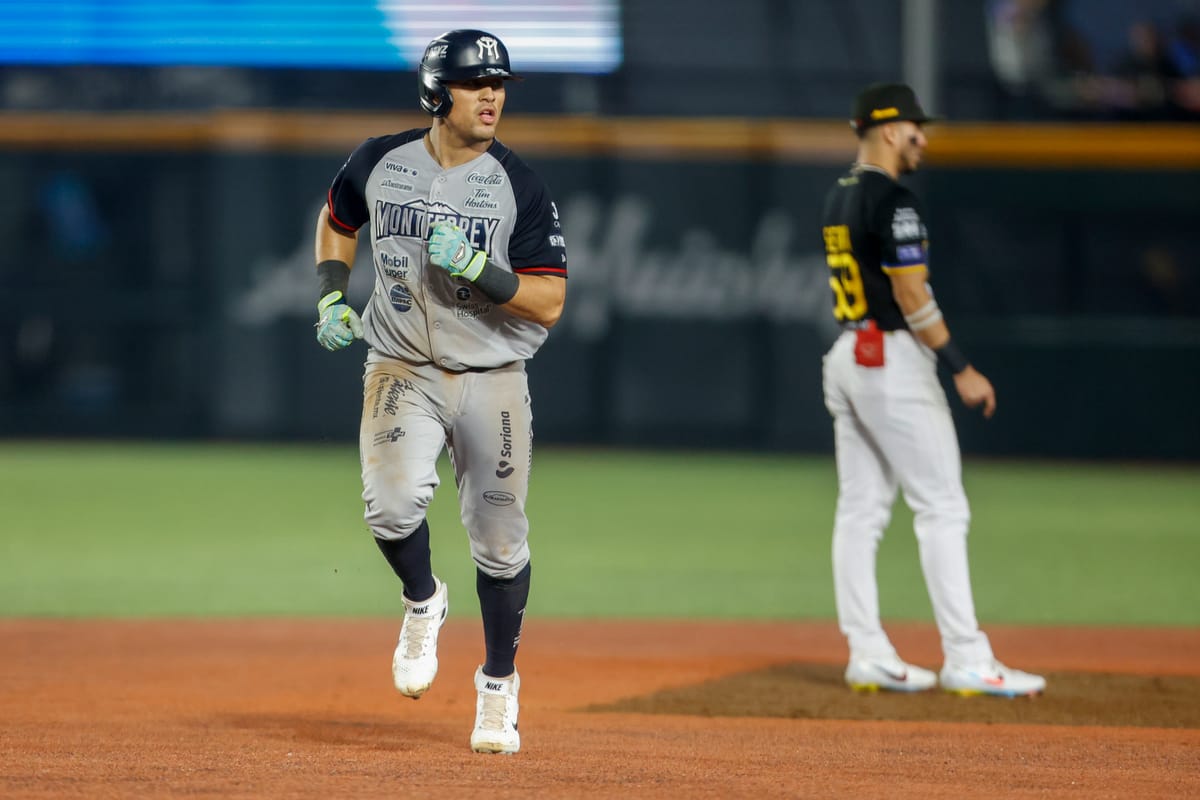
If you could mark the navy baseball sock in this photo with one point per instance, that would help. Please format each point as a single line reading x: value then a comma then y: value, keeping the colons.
x: 502, y: 601
x: 409, y: 558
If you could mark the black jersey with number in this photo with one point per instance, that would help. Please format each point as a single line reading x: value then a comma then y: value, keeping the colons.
x: 872, y: 228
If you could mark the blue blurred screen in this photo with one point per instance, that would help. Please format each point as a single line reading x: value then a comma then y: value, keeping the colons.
x: 579, y: 36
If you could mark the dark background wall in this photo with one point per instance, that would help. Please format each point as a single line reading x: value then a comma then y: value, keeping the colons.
x: 165, y: 289
x: 172, y: 296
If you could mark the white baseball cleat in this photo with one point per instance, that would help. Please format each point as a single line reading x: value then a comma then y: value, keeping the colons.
x: 496, y: 711
x: 990, y: 678
x: 888, y: 673
x: 415, y: 663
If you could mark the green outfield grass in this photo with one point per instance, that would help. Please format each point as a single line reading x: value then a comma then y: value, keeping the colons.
x: 162, y: 530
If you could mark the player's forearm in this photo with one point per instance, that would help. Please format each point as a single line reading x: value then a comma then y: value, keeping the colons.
x: 334, y: 252
x: 331, y: 245
x: 933, y: 336
x: 924, y: 320
x: 539, y: 299
x: 920, y: 311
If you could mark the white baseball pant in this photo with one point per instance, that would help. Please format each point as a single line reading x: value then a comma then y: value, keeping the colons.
x: 892, y: 428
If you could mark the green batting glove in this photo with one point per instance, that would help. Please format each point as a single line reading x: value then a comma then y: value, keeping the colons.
x: 339, y: 324
x: 450, y: 250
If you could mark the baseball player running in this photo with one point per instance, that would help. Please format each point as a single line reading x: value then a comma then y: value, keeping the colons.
x: 892, y: 423
x: 470, y: 268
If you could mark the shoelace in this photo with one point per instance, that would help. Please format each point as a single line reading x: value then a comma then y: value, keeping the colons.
x: 415, y: 636
x: 494, y: 706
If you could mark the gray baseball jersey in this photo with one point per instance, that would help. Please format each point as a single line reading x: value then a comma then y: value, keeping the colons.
x: 426, y: 329
x: 418, y: 312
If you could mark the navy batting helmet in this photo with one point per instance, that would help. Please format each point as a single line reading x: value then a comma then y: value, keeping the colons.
x: 460, y: 55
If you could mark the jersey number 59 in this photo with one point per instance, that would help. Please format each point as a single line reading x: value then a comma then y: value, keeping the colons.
x: 849, y: 296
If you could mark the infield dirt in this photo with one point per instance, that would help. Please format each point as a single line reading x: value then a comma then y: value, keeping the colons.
x: 305, y: 708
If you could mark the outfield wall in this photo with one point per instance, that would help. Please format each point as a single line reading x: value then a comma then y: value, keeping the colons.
x: 161, y: 270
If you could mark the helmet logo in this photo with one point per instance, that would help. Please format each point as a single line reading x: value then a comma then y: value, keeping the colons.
x: 489, y: 48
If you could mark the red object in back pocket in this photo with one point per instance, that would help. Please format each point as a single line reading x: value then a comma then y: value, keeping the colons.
x: 868, y: 346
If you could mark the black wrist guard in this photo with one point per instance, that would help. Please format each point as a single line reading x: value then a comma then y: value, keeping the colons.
x: 498, y: 284
x: 953, y: 359
x: 334, y: 277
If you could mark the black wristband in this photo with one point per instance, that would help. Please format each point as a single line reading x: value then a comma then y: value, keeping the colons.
x: 334, y: 276
x: 949, y: 355
x: 498, y: 284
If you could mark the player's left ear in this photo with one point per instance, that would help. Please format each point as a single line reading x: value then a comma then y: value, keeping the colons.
x: 899, y: 133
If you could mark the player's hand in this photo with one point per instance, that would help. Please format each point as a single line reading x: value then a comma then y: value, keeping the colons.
x: 450, y: 250
x: 976, y: 390
x: 339, y: 324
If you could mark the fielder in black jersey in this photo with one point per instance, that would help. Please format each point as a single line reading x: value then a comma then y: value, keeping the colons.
x: 892, y: 423
x: 872, y: 230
